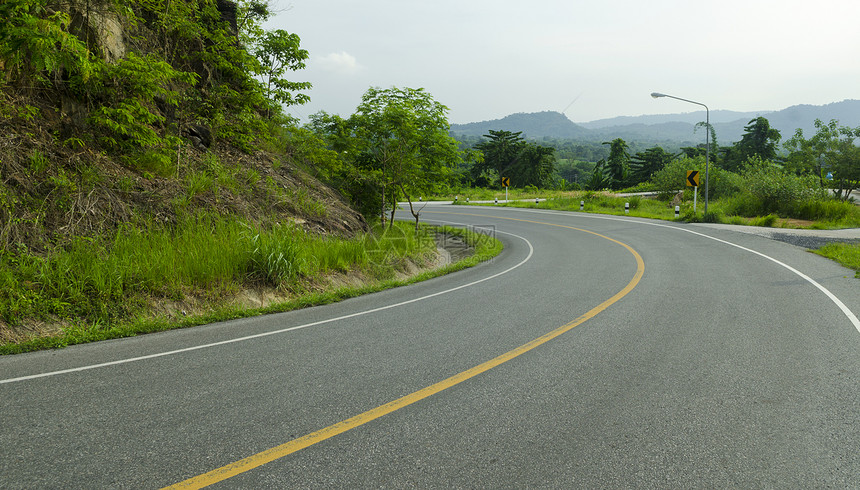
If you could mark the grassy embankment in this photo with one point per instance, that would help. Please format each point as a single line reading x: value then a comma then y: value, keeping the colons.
x: 109, y: 287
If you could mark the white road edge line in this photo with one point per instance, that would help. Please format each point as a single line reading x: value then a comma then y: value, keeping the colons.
x: 276, y: 332
x: 845, y: 310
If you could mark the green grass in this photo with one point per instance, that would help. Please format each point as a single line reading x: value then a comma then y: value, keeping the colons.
x: 102, y: 288
x: 844, y: 253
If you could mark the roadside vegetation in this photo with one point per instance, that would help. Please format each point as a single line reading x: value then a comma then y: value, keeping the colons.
x: 847, y: 254
x: 206, y: 269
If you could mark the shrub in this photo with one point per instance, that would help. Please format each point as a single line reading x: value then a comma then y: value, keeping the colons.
x: 672, y: 178
x: 275, y: 257
x: 830, y: 209
x: 777, y: 191
x: 712, y: 217
x: 634, y: 201
x: 767, y: 221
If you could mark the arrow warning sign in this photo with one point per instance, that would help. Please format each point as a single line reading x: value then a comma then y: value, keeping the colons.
x: 506, y: 181
x: 692, y: 178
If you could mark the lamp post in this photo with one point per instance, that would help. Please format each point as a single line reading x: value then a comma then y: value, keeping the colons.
x: 707, y: 136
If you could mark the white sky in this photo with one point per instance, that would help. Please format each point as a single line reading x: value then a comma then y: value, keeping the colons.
x: 485, y: 59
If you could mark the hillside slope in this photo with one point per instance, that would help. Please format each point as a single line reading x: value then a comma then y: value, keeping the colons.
x: 136, y: 116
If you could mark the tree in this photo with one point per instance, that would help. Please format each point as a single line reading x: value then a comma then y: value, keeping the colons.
x: 507, y: 154
x: 831, y: 149
x: 535, y: 166
x: 575, y: 173
x: 758, y: 139
x: 844, y: 161
x: 599, y: 178
x: 644, y: 164
x: 712, y: 149
x: 500, y: 153
x: 277, y: 52
x: 401, y: 137
x: 618, y: 163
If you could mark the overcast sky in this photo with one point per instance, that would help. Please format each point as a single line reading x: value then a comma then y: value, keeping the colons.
x: 591, y: 59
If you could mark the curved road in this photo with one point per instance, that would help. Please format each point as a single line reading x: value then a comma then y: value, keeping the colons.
x: 595, y: 351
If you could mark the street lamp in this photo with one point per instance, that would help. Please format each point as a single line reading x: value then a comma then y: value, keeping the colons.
x: 707, y: 136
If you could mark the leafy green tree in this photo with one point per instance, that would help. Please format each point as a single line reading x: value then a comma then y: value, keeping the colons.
x: 535, y: 166
x: 759, y: 139
x: 127, y: 118
x: 618, y: 163
x: 807, y: 154
x: 700, y: 150
x: 600, y: 178
x: 198, y: 70
x: 500, y: 154
x: 575, y: 172
x: 396, y: 145
x: 645, y: 163
x: 278, y: 52
x: 844, y: 160
x: 507, y: 154
x: 37, y: 47
x: 830, y: 150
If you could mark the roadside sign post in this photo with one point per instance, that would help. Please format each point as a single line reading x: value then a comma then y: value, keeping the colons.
x: 506, y: 182
x: 693, y: 181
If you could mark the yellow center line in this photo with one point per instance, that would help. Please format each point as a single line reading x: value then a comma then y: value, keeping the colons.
x: 269, y: 455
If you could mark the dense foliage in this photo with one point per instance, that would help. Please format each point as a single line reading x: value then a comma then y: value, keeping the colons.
x: 507, y: 154
x: 135, y: 76
x: 396, y: 146
x: 830, y: 154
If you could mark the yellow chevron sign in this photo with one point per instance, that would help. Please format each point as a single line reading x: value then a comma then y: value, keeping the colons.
x: 692, y: 178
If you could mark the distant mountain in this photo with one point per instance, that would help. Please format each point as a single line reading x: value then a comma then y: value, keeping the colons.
x: 533, y: 125
x: 718, y: 116
x: 788, y: 120
x: 667, y: 129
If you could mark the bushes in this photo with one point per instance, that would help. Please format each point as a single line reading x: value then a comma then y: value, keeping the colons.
x: 777, y: 191
x: 672, y: 178
x: 762, y: 189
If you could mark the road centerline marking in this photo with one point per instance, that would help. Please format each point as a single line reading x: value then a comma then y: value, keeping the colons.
x: 283, y: 450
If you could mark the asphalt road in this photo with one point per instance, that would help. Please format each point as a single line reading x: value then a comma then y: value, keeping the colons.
x: 679, y: 356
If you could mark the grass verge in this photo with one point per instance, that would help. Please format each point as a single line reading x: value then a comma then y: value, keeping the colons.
x: 101, y: 289
x: 845, y: 253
